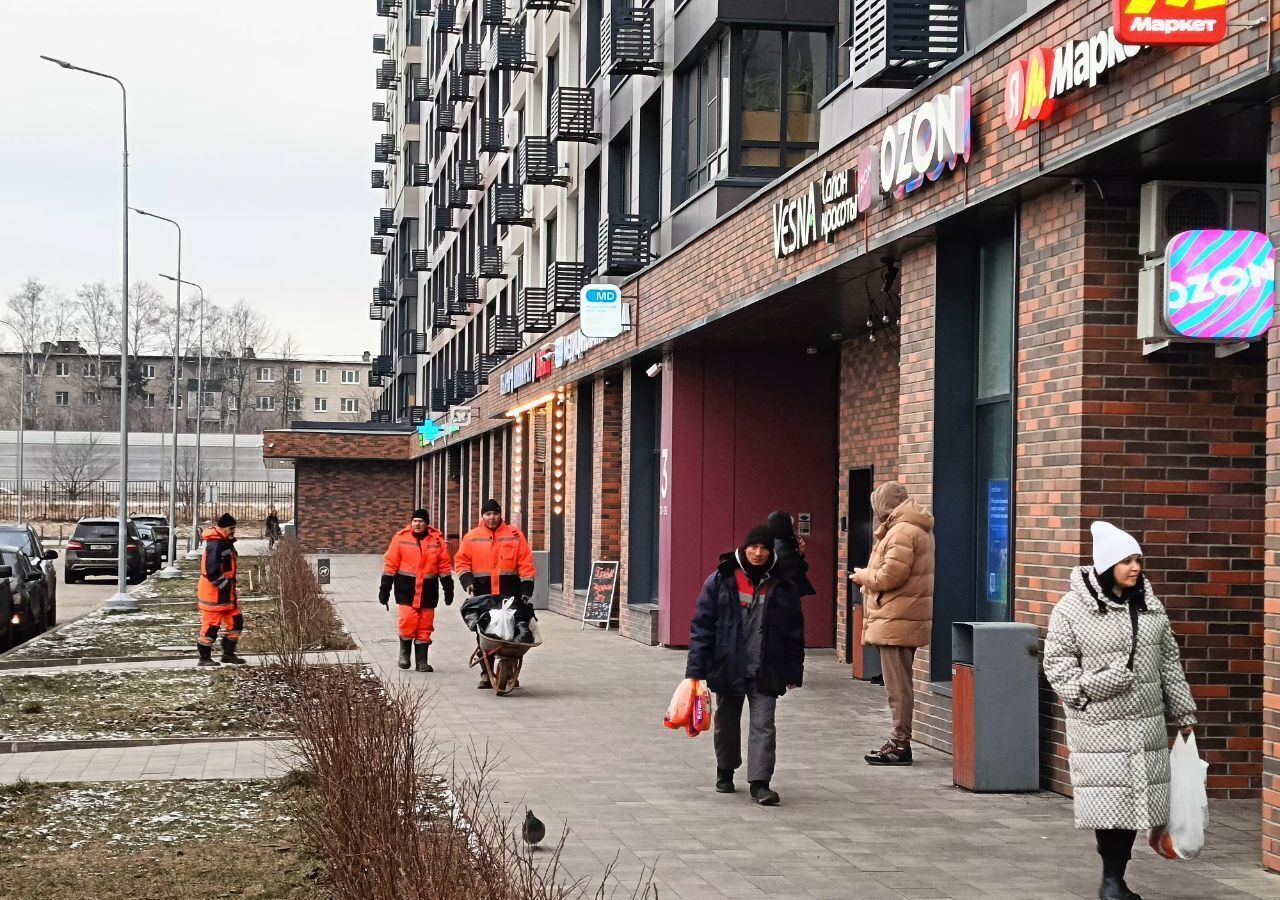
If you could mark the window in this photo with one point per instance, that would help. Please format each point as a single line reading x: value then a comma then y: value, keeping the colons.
x: 147, y: 370
x: 111, y: 369
x: 266, y: 404
x: 232, y: 403
x: 322, y: 376
x: 149, y: 401
x: 350, y: 406
x: 266, y: 374
x: 784, y: 75
x: 295, y: 375
x: 595, y: 11
x: 90, y: 398
x: 705, y: 118
x: 91, y: 370
x: 62, y: 398
x: 321, y: 404
x: 63, y: 369
x: 295, y: 404
x: 350, y: 376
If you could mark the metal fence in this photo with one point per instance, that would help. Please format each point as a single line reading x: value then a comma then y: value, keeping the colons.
x: 51, y: 501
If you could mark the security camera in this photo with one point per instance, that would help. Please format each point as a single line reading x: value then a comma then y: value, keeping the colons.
x: 1077, y: 185
x: 653, y: 370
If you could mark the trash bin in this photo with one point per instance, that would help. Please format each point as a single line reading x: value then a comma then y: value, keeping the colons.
x: 995, y: 687
x: 541, y: 589
x: 866, y: 657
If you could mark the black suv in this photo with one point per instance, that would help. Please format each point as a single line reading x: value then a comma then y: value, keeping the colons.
x: 159, y: 531
x: 28, y: 613
x: 26, y: 539
x: 92, y: 550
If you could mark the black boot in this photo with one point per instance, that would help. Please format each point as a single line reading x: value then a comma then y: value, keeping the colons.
x: 485, y: 684
x: 420, y: 657
x: 1113, y: 888
x: 724, y: 781
x: 206, y: 655
x: 405, y: 644
x: 229, y: 652
x: 761, y: 794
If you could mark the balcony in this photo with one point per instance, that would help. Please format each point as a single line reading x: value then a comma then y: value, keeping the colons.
x: 444, y: 219
x: 506, y: 205
x: 387, y: 216
x: 511, y: 55
x: 467, y: 288
x: 458, y: 198
x: 379, y: 227
x: 454, y: 303
x: 387, y: 145
x: 375, y: 380
x: 564, y: 282
x: 491, y: 262
x: 421, y: 90
x: 465, y: 383
x: 377, y: 178
x: 468, y: 176
x: 387, y: 77
x: 486, y: 365
x: 381, y: 113
x: 380, y: 153
x: 537, y: 162
x: 420, y: 260
x: 447, y: 17
x: 624, y: 245
x: 493, y: 12
x: 573, y: 115
x: 382, y: 294
x: 378, y: 312
x: 446, y: 121
x: 420, y: 175
x: 627, y: 45
x: 412, y: 343
x: 452, y: 397
x: 534, y: 309
x: 900, y: 43
x: 380, y: 45
x: 503, y: 336
x: 493, y: 138
x: 440, y: 318
x: 470, y: 60
x: 387, y: 8
x: 460, y: 88
x: 417, y: 415
x: 550, y: 5
x: 382, y: 365
x: 422, y: 8
x: 439, y: 401
x: 377, y: 246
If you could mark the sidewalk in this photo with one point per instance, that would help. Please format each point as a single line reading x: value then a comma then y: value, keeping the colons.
x: 206, y: 760
x: 583, y: 744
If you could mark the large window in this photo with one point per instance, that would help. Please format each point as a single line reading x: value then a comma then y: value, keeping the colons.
x: 784, y: 75
x: 706, y: 118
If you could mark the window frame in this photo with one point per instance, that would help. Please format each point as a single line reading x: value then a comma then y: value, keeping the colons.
x: 266, y: 375
x: 355, y: 376
x: 62, y: 399
x: 320, y: 404
x: 265, y: 403
x: 322, y: 376
x: 350, y: 405
x: 62, y: 369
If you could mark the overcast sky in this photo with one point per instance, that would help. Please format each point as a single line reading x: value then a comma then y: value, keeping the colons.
x: 248, y: 123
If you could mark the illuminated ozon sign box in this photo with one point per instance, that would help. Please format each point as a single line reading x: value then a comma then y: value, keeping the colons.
x: 1219, y: 285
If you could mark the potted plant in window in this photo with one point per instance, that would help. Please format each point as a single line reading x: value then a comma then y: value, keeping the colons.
x: 800, y: 96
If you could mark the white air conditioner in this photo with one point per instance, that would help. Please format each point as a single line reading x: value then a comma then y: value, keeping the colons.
x: 1170, y: 207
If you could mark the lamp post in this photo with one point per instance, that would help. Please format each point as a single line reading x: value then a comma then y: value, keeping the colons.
x: 171, y: 570
x: 120, y: 601
x: 192, y: 551
x: 22, y: 411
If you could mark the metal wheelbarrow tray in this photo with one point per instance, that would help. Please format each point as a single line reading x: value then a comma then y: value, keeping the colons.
x: 502, y: 660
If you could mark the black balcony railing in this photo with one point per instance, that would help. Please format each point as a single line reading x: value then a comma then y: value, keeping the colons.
x: 444, y: 219
x: 412, y: 343
x: 377, y: 178
x: 379, y: 228
x: 422, y: 7
x: 417, y: 415
x: 382, y: 365
x: 486, y: 365
x: 493, y: 12
x: 451, y: 395
x: 380, y: 153
x: 900, y: 43
x: 378, y: 312
x: 467, y: 175
x: 470, y: 59
x: 467, y: 289
x: 564, y: 282
x: 380, y: 113
x: 420, y: 175
x: 534, y: 310
x: 387, y: 8
x: 387, y: 216
x: 624, y: 245
x: 573, y: 115
x: 446, y: 121
x: 537, y: 162
x: 377, y: 246
x: 421, y: 90
x: 380, y: 44
x: 388, y: 144
x: 511, y: 54
x: 453, y: 302
x: 627, y: 45
x: 375, y: 381
x: 459, y: 88
x: 440, y: 318
x: 491, y: 262
x: 465, y: 383
x: 550, y: 5
x: 503, y: 336
x: 439, y: 400
x: 459, y: 198
x: 387, y: 76
x: 420, y: 260
x: 506, y: 205
x: 493, y: 138
x: 447, y: 17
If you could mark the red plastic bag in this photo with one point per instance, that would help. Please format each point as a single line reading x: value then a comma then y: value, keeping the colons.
x: 690, y: 708
x: 700, y: 715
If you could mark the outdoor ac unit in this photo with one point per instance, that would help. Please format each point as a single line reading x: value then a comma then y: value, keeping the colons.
x: 1170, y: 207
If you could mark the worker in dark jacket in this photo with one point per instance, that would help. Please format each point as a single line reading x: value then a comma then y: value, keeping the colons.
x: 747, y: 643
x: 790, y: 552
x: 216, y: 593
x: 417, y: 567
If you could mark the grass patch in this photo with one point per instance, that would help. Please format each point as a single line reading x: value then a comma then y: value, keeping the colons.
x: 156, y: 839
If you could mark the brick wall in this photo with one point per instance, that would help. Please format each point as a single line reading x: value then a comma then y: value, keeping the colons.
x: 1271, y: 623
x: 352, y: 506
x: 868, y: 437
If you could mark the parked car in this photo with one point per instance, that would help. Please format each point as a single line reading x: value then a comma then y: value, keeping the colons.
x: 92, y: 550
x: 151, y: 552
x: 29, y: 615
x: 27, y: 538
x: 160, y: 528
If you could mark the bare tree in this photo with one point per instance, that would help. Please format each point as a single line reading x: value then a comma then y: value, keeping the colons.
x: 286, y: 389
x: 97, y: 324
x: 150, y: 318
x: 241, y: 335
x: 366, y: 398
x: 74, y: 467
x: 40, y: 317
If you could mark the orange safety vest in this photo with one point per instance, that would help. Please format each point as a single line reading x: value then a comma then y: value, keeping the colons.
x: 218, y: 563
x: 497, y: 560
x: 415, y: 566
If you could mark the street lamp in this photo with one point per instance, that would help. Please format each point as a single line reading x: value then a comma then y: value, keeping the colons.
x: 192, y: 552
x: 120, y: 601
x: 171, y: 570
x: 22, y: 410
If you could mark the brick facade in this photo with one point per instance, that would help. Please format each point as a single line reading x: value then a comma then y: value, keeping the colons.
x: 347, y: 506
x: 1271, y: 608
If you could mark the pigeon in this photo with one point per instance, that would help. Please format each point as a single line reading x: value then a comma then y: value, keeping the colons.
x: 534, y: 831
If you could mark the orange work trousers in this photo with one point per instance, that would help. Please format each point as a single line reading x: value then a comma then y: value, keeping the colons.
x: 228, y: 618
x: 416, y: 623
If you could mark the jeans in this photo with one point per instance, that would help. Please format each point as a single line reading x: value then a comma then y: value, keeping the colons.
x: 762, y: 735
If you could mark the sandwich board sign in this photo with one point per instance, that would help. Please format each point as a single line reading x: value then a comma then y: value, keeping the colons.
x: 601, y: 592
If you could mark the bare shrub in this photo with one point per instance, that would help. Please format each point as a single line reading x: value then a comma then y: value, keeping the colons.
x: 306, y: 615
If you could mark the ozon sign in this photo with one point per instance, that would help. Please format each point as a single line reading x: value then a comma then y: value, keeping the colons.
x: 1033, y: 84
x: 1220, y: 285
x: 932, y: 139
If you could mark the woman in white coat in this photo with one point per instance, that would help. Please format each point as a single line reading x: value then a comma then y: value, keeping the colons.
x: 1110, y: 655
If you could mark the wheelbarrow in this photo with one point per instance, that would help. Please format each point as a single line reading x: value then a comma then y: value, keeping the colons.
x: 502, y: 660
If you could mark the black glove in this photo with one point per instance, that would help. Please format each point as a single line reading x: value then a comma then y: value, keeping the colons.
x: 383, y: 599
x: 447, y: 583
x: 467, y: 580
x: 526, y: 590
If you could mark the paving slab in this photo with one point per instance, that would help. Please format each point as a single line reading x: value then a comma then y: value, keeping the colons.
x: 208, y: 760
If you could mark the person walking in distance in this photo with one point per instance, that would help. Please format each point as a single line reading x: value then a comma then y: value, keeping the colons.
x: 1111, y: 657
x: 746, y: 642
x: 272, y: 528
x: 495, y: 558
x: 416, y: 567
x: 218, y: 600
x: 897, y: 591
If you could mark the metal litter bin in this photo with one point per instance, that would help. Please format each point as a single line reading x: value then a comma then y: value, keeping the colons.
x: 995, y: 685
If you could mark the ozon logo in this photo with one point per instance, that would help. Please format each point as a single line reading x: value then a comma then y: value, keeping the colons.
x: 1220, y: 284
x: 1032, y: 84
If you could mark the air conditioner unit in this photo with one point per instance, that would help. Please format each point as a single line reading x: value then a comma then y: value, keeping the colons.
x: 1170, y: 207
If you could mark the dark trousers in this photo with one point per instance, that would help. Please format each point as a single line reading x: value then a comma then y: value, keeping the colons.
x: 762, y: 735
x: 1115, y: 846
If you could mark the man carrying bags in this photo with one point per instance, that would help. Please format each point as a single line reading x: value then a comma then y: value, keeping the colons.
x: 416, y: 566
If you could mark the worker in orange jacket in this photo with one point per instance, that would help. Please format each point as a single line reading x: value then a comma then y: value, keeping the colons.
x: 216, y: 593
x: 417, y: 566
x: 495, y: 558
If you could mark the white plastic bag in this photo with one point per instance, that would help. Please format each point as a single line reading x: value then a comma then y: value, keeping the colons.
x: 502, y: 622
x: 1188, y: 801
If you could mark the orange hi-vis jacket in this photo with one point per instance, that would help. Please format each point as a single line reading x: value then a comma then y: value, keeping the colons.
x: 217, y: 588
x: 496, y: 562
x: 415, y: 568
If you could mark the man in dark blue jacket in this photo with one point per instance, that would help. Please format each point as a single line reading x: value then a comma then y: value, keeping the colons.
x: 747, y: 643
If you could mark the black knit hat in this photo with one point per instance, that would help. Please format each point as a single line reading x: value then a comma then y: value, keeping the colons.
x: 491, y: 506
x: 421, y: 514
x: 226, y: 520
x: 761, y: 534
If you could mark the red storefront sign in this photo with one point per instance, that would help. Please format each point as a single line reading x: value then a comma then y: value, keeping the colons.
x: 1170, y: 22
x: 1033, y: 84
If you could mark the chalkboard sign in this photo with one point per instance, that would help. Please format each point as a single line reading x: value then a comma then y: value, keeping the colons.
x: 600, y: 593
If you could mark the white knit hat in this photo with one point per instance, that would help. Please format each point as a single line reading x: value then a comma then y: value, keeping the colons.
x: 1111, y: 545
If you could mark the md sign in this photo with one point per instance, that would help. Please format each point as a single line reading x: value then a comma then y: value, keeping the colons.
x: 600, y: 311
